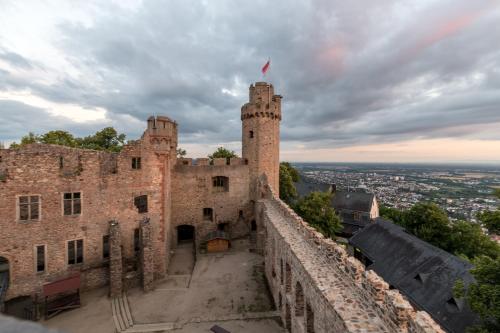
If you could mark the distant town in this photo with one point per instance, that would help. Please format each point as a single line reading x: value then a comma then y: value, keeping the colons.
x: 463, y: 191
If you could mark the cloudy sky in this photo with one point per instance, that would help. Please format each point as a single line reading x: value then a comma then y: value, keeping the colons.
x: 384, y: 80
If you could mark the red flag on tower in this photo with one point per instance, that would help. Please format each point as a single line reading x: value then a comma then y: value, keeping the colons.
x: 266, y: 67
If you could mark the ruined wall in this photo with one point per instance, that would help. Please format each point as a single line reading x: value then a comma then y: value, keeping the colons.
x: 193, y: 190
x: 318, y: 287
x: 108, y: 185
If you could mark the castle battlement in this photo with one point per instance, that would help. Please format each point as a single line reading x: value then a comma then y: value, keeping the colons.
x: 196, y: 162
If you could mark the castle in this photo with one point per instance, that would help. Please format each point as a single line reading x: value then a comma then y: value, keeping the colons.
x: 113, y: 218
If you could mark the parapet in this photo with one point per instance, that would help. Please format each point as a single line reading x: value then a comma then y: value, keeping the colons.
x: 389, y: 304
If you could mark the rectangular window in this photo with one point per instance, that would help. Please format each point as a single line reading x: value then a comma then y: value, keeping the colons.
x: 75, y: 252
x: 29, y: 207
x: 208, y: 214
x: 136, y: 163
x: 251, y: 134
x: 40, y: 258
x: 141, y: 203
x: 137, y: 241
x: 105, y: 246
x: 72, y: 203
x: 220, y: 184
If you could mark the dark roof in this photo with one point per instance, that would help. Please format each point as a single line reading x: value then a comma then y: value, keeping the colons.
x: 217, y: 234
x: 356, y: 201
x: 424, y: 273
x: 304, y: 187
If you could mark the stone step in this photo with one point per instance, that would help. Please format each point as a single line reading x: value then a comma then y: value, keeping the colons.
x: 128, y: 313
x: 117, y: 317
x: 142, y: 328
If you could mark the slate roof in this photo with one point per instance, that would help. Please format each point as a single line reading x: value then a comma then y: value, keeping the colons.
x: 424, y: 273
x: 304, y: 187
x: 355, y: 201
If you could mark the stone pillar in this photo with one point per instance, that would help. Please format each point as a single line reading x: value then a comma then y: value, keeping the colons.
x: 115, y: 260
x: 147, y: 255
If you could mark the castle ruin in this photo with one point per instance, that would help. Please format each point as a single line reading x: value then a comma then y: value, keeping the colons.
x: 113, y: 218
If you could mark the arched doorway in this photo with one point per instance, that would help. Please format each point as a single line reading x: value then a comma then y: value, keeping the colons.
x: 185, y: 233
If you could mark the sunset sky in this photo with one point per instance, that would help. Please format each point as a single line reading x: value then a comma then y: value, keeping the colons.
x: 362, y: 81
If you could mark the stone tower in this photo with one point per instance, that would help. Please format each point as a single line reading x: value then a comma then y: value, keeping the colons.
x: 261, y: 118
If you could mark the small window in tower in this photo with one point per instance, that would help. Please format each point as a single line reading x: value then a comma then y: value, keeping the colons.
x: 208, y: 214
x: 61, y: 162
x: 251, y: 134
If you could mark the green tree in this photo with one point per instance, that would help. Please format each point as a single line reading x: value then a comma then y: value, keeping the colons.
x: 393, y: 214
x: 468, y: 239
x: 181, y: 152
x: 222, y: 152
x: 288, y: 192
x: 25, y: 140
x: 483, y: 296
x: 105, y: 139
x: 496, y: 193
x: 491, y: 221
x: 316, y: 209
x: 429, y: 222
x: 294, y: 173
x: 59, y: 137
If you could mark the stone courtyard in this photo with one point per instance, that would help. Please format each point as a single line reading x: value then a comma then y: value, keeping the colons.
x: 227, y: 289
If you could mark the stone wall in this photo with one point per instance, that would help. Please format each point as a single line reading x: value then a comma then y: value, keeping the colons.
x: 192, y: 185
x: 318, y: 287
x: 108, y: 185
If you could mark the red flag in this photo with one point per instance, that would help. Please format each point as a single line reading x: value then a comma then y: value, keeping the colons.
x: 266, y: 67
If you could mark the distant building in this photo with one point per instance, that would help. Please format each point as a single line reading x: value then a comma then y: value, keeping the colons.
x: 356, y: 210
x: 424, y: 273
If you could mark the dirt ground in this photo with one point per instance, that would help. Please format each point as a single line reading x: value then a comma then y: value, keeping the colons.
x: 220, y: 288
x: 221, y: 284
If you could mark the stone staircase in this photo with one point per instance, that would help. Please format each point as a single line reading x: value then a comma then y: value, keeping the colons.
x: 121, y: 313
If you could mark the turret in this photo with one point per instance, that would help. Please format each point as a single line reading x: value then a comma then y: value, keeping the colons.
x: 261, y: 118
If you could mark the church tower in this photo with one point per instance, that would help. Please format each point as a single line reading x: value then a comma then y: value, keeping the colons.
x: 261, y: 118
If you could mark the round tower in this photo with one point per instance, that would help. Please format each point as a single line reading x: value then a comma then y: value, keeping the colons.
x: 261, y: 118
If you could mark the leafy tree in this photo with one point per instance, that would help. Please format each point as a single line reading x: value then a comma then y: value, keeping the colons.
x: 393, y: 214
x: 105, y: 139
x: 497, y: 193
x: 483, y: 296
x: 468, y: 239
x: 288, y: 192
x: 181, y: 152
x: 316, y: 209
x: 294, y: 173
x: 59, y: 137
x: 25, y: 140
x: 491, y: 221
x: 428, y: 222
x: 222, y: 152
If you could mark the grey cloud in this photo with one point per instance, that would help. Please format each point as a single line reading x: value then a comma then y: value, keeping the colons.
x: 350, y: 72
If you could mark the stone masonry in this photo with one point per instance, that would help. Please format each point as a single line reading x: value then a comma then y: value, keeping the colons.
x: 56, y: 203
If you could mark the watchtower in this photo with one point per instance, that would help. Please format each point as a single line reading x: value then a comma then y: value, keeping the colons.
x: 261, y: 118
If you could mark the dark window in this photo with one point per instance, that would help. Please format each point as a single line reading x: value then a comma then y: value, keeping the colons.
x: 136, y: 163
x: 141, y: 202
x: 137, y: 240
x: 240, y: 214
x: 251, y: 134
x: 220, y: 184
x: 75, y: 252
x: 61, y: 162
x: 254, y: 225
x: 72, y: 203
x: 208, y: 214
x: 40, y: 258
x: 29, y: 208
x: 105, y: 246
x: 356, y: 216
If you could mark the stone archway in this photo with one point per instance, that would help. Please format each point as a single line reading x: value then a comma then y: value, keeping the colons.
x: 185, y: 233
